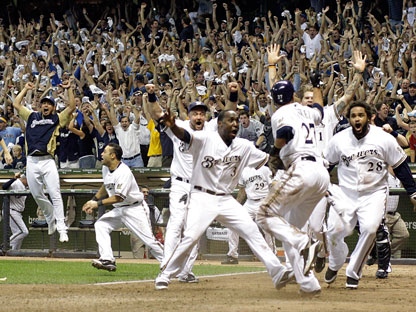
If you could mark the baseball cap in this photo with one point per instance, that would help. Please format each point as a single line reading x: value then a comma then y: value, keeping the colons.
x: 139, y: 77
x: 2, y: 119
x: 243, y: 107
x: 412, y: 84
x: 48, y: 99
x: 197, y: 104
x: 85, y: 99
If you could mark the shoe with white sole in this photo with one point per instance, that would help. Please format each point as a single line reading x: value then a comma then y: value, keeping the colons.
x: 63, y: 237
x: 107, y: 265
x: 309, y: 255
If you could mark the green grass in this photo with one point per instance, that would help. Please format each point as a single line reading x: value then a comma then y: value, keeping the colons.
x: 70, y: 272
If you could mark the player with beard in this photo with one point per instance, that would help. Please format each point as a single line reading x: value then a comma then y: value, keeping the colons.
x: 363, y: 153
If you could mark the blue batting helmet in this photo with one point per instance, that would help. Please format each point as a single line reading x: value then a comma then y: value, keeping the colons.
x: 282, y: 92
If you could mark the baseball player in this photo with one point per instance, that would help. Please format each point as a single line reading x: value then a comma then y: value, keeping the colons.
x: 120, y: 190
x: 253, y: 187
x: 17, y: 205
x: 181, y: 172
x: 293, y: 197
x: 324, y: 132
x: 363, y: 153
x: 218, y: 160
x: 42, y: 129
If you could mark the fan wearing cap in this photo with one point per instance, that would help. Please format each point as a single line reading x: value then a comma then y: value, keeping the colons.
x: 17, y: 206
x: 411, y: 96
x: 41, y: 134
x: 181, y: 172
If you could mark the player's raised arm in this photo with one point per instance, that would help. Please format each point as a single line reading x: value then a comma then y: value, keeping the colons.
x: 17, y: 103
x: 181, y: 133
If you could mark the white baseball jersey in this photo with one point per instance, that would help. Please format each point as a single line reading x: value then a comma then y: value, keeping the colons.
x: 256, y: 182
x: 362, y: 164
x: 217, y: 166
x: 121, y: 182
x: 182, y: 161
x: 325, y: 130
x: 303, y: 120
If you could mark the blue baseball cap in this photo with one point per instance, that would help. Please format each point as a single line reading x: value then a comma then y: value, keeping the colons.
x: 197, y: 104
x: 48, y: 99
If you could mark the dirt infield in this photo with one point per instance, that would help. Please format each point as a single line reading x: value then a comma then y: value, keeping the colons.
x: 244, y: 292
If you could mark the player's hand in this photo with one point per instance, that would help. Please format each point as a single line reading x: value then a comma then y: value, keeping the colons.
x: 89, y: 206
x: 168, y: 118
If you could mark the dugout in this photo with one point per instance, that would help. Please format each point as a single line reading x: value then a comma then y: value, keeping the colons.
x: 81, y: 184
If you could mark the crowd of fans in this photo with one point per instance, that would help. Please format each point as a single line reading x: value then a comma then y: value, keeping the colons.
x: 191, y: 56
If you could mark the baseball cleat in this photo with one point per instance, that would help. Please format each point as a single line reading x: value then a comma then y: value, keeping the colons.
x: 381, y: 274
x: 309, y: 255
x: 330, y: 276
x: 287, y: 277
x: 319, y: 264
x: 161, y: 285
x: 63, y: 237
x: 309, y: 294
x: 104, y: 265
x: 352, y: 283
x: 230, y: 260
x: 191, y: 278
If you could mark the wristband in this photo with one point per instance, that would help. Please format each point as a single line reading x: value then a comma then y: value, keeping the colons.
x: 394, y: 133
x: 94, y: 198
x: 233, y: 96
x: 152, y: 97
x: 100, y: 203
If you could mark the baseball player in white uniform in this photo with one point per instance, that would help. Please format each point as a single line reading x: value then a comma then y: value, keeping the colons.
x: 181, y: 172
x: 42, y: 129
x: 293, y: 197
x: 120, y: 190
x: 253, y: 187
x: 17, y: 206
x: 218, y: 160
x: 324, y: 132
x: 362, y: 152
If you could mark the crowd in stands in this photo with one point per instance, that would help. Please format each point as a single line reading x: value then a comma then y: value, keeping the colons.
x: 191, y: 55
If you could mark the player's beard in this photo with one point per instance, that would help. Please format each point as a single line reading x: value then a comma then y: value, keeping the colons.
x: 361, y: 131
